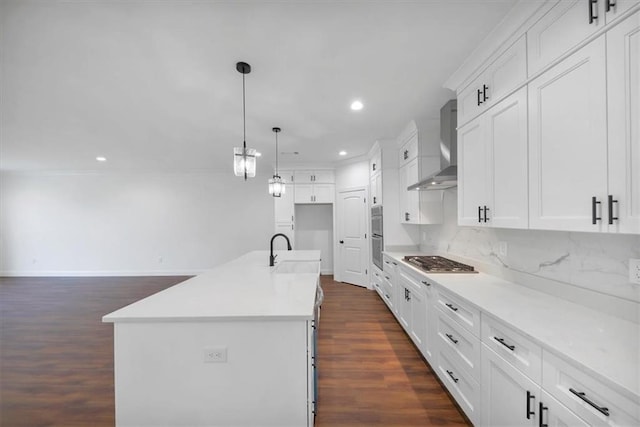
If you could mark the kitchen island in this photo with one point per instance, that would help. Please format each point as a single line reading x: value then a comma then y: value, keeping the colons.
x: 233, y: 346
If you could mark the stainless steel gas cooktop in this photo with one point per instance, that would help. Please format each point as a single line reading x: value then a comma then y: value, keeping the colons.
x: 438, y: 264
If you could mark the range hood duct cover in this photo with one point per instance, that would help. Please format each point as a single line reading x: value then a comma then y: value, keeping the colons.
x: 447, y: 177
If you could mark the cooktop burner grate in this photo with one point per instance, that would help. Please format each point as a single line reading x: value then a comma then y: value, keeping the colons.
x: 438, y: 264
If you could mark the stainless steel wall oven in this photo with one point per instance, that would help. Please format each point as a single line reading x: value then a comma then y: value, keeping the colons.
x: 377, y: 243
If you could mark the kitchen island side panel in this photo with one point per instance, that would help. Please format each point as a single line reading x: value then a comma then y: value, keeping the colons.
x: 161, y: 377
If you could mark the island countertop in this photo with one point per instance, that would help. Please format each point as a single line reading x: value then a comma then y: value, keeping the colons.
x: 244, y: 288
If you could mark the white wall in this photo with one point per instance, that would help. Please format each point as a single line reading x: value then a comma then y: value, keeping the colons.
x: 129, y: 222
x: 565, y: 263
x: 352, y: 175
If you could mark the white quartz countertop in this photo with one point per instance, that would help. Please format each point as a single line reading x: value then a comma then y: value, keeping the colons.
x: 606, y: 346
x: 245, y: 288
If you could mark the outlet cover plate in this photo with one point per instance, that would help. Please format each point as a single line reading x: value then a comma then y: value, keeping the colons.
x: 215, y: 354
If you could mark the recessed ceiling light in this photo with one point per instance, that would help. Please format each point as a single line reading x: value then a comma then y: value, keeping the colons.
x: 343, y: 153
x: 101, y: 159
x: 356, y: 105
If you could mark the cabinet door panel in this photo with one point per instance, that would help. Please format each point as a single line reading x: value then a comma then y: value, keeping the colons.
x: 556, y: 414
x: 413, y: 197
x: 302, y: 177
x: 324, y: 193
x: 504, y: 393
x: 568, y: 141
x: 324, y: 176
x: 303, y: 193
x: 618, y: 9
x: 561, y: 29
x: 284, y: 205
x: 508, y: 181
x: 623, y: 86
x: 471, y: 172
x: 286, y: 228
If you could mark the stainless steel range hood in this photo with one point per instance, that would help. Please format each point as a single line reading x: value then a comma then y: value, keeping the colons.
x: 447, y: 177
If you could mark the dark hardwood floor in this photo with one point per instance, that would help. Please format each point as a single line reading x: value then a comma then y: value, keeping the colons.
x: 56, y: 356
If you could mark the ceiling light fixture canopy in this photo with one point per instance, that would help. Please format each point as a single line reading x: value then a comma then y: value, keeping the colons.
x: 276, y: 184
x: 244, y: 159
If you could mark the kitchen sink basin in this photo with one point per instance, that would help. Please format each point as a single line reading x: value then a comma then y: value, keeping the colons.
x: 297, y: 267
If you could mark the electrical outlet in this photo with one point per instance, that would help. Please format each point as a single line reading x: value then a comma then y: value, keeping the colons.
x: 215, y: 354
x: 634, y: 271
x: 502, y: 248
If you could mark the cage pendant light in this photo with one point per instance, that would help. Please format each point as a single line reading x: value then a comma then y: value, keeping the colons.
x: 276, y: 184
x: 244, y: 159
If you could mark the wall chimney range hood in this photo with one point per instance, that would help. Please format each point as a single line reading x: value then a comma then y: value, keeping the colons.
x: 447, y: 177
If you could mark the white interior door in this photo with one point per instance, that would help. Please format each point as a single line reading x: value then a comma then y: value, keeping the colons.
x: 353, y: 250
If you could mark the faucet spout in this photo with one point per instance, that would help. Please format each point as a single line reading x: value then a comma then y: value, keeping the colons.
x: 272, y: 257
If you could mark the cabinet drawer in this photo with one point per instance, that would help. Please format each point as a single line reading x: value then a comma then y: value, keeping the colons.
x: 460, y: 311
x: 591, y: 399
x: 513, y: 346
x: 460, y: 384
x: 389, y: 267
x: 504, y: 75
x: 464, y: 347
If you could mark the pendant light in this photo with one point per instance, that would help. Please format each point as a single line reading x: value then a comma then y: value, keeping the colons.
x: 276, y: 184
x: 244, y: 159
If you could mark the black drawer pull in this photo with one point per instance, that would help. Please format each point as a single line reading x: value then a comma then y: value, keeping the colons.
x: 540, y: 422
x: 424, y: 282
x: 609, y: 5
x: 584, y: 397
x: 592, y: 16
x: 484, y: 92
x: 405, y: 155
x: 451, y: 307
x: 479, y: 101
x: 594, y: 217
x: 610, y: 203
x: 479, y: 213
x: 453, y: 340
x: 485, y: 209
x: 455, y: 380
x: 501, y: 341
x: 529, y: 411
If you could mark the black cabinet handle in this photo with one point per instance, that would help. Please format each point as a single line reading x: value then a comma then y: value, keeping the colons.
x: 374, y: 167
x: 592, y: 16
x: 342, y: 242
x: 541, y: 423
x: 424, y: 282
x: 608, y: 4
x: 529, y: 411
x: 479, y: 101
x: 485, y: 209
x: 388, y: 278
x: 374, y: 200
x: 455, y: 380
x: 405, y: 294
x: 501, y: 341
x: 451, y: 307
x: 406, y: 216
x: 394, y: 263
x: 453, y: 340
x: 584, y: 398
x: 406, y: 154
x: 594, y: 217
x: 485, y: 88
x: 479, y: 213
x: 610, y: 203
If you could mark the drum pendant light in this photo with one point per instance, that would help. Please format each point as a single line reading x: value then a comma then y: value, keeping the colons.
x: 244, y: 159
x: 276, y: 184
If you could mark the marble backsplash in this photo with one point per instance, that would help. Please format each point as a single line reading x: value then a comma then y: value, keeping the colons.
x: 566, y: 263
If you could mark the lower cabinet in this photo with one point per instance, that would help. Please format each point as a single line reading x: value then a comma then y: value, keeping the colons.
x: 413, y: 308
x: 462, y: 386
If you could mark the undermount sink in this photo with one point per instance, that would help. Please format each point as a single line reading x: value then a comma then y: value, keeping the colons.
x: 297, y: 267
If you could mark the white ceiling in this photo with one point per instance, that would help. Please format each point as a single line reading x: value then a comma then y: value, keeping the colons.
x: 152, y: 84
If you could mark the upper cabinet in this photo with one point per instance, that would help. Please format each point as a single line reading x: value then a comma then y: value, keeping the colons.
x: 568, y: 24
x: 492, y: 154
x: 503, y: 75
x: 314, y: 176
x: 558, y: 147
x: 584, y: 145
x: 418, y: 156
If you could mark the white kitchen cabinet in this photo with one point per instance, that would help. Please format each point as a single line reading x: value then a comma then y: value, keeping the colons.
x: 462, y: 386
x: 288, y: 229
x: 561, y: 29
x: 509, y: 398
x: 418, y: 207
x: 492, y: 182
x: 408, y: 146
x: 314, y: 193
x: 375, y: 162
x: 555, y: 414
x: 506, y: 73
x: 325, y: 176
x: 623, y: 98
x: 568, y: 142
x: 389, y: 272
x: 376, y: 189
x: 284, y: 206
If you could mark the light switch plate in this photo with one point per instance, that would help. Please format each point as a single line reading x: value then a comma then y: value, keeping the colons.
x: 634, y: 271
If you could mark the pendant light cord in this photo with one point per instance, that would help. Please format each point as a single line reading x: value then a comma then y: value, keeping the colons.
x: 244, y: 120
x: 277, y: 154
